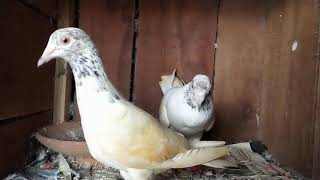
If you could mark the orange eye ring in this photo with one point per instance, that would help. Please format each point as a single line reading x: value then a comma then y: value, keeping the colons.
x: 65, y: 40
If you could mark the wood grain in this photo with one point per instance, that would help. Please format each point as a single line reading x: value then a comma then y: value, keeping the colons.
x: 238, y: 70
x: 172, y: 34
x: 264, y: 89
x: 25, y: 89
x: 289, y: 83
x: 63, y: 75
x: 47, y: 7
x: 316, y: 143
x: 110, y: 25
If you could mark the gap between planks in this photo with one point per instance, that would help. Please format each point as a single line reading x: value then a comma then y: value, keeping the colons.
x: 63, y: 75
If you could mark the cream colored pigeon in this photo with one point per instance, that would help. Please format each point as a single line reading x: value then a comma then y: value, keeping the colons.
x: 118, y: 133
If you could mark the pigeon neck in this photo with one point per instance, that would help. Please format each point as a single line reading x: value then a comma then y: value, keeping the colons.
x: 89, y: 72
x: 188, y: 96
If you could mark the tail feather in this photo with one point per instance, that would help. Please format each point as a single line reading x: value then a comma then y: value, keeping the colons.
x: 169, y: 81
x: 200, y: 144
x: 221, y: 163
x: 195, y: 157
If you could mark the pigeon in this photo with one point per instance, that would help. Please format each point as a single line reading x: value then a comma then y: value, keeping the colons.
x: 188, y: 108
x: 118, y: 133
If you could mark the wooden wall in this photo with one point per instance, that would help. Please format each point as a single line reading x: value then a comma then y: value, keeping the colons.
x: 169, y: 34
x: 265, y: 88
x: 26, y: 93
x: 172, y: 34
x: 24, y: 34
x: 265, y: 67
x: 110, y: 24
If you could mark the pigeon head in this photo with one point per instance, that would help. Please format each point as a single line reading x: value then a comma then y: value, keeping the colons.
x: 74, y: 46
x: 199, y: 88
x: 65, y: 43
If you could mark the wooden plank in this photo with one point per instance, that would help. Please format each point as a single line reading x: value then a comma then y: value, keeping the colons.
x: 316, y: 148
x: 316, y: 142
x: 172, y: 34
x: 47, y: 7
x: 289, y: 83
x: 15, y: 139
x: 239, y: 58
x: 63, y: 81
x: 265, y: 86
x: 25, y: 89
x: 110, y: 25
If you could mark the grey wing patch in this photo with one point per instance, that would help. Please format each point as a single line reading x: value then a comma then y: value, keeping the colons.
x: 111, y: 97
x: 206, y: 105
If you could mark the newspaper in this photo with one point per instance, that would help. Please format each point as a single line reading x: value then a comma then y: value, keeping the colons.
x: 246, y: 158
x: 247, y: 161
x: 246, y: 164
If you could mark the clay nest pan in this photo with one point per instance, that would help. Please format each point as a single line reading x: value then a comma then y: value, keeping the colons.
x: 66, y: 138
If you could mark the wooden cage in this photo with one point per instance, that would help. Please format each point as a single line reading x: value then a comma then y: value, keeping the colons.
x: 263, y: 57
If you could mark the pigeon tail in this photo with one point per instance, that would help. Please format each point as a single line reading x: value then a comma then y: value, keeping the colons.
x: 195, y: 157
x: 201, y: 144
x: 221, y: 163
x: 170, y: 81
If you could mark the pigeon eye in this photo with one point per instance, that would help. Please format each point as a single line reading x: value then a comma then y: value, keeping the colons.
x: 66, y: 40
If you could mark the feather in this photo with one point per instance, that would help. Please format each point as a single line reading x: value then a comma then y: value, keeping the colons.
x: 195, y: 157
x: 221, y: 163
x: 199, y: 144
x: 170, y: 81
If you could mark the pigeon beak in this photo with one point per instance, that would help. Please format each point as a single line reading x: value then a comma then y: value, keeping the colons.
x: 46, y: 56
x: 42, y: 61
x: 200, y: 98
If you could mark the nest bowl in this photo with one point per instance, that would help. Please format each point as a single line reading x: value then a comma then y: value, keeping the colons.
x: 66, y: 138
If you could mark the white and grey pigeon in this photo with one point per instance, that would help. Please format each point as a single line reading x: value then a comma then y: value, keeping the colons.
x: 118, y: 133
x: 188, y: 108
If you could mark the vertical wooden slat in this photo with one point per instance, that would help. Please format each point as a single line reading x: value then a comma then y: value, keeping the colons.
x: 110, y: 25
x: 264, y: 84
x: 62, y: 88
x: 290, y: 71
x: 316, y: 141
x: 238, y: 66
x: 172, y: 34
